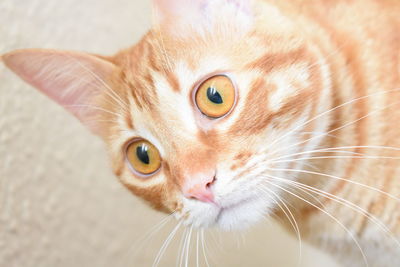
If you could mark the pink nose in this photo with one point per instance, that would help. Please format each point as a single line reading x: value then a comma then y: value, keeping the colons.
x: 199, y: 188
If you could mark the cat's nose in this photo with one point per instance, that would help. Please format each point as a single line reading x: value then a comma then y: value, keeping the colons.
x: 199, y: 188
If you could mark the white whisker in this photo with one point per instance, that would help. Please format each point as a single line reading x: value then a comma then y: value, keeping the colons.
x: 181, y: 248
x: 332, y: 217
x: 188, y: 247
x: 342, y: 201
x: 327, y: 112
x: 338, y: 128
x: 291, y: 218
x: 204, y: 246
x: 197, y: 249
x: 165, y: 245
x: 341, y: 179
x: 337, y: 149
x: 337, y: 157
x: 148, y: 235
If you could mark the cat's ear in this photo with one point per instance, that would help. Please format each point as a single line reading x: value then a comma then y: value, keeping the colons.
x: 168, y: 8
x: 201, y: 13
x: 71, y: 79
x: 174, y: 7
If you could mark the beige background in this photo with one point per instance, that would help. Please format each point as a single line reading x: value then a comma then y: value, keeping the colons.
x: 59, y: 203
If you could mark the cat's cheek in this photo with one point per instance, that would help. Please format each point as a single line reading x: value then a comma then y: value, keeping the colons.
x: 154, y: 195
x: 173, y: 202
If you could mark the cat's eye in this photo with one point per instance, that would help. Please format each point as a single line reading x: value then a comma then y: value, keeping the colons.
x: 143, y: 157
x: 215, y: 97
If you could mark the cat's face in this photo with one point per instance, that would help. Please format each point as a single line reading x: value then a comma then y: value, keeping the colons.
x: 207, y: 115
x: 197, y: 114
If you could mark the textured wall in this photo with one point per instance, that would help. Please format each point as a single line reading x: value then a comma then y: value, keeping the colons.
x: 59, y: 203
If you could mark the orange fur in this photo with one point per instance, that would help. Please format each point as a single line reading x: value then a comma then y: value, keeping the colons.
x: 298, y: 67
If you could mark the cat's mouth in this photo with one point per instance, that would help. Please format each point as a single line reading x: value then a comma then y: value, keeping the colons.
x: 233, y: 211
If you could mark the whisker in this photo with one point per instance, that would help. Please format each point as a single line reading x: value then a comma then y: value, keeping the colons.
x: 197, y: 249
x: 338, y: 128
x: 331, y: 110
x: 148, y: 235
x: 342, y: 201
x: 332, y: 217
x: 188, y: 247
x: 336, y: 149
x: 308, y: 164
x: 166, y: 244
x: 181, y: 248
x: 291, y: 218
x: 204, y: 246
x: 337, y: 157
x: 341, y: 179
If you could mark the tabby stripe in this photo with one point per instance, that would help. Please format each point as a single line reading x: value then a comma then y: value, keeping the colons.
x: 173, y: 81
x: 361, y: 109
x: 255, y: 115
x: 270, y: 62
x: 359, y: 89
x: 317, y: 85
x: 380, y: 203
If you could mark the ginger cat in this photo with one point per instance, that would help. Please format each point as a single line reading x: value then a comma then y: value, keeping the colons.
x: 228, y: 111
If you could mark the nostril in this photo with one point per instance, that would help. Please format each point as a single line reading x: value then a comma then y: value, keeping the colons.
x: 209, y: 184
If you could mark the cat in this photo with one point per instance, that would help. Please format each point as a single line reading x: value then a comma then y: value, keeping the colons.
x: 228, y: 111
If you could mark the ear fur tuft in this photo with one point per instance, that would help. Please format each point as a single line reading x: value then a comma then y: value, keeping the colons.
x: 71, y: 79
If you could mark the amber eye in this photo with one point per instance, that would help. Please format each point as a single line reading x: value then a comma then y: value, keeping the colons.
x: 143, y: 157
x: 215, y: 96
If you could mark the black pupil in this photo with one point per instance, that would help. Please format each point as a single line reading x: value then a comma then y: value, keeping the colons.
x: 141, y: 153
x: 214, y: 96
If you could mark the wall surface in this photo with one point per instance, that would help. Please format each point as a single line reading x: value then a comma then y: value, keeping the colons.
x: 59, y: 203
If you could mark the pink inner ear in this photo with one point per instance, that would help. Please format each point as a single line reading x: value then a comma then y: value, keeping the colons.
x: 167, y: 10
x: 181, y: 17
x: 71, y: 79
x: 176, y: 6
x: 242, y: 5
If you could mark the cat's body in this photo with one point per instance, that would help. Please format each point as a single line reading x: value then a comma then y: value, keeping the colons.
x: 299, y: 76
x: 361, y: 42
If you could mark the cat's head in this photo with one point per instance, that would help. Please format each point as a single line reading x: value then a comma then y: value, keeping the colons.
x: 199, y: 115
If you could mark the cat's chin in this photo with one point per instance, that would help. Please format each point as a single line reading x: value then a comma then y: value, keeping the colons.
x: 239, y: 216
x: 242, y: 215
